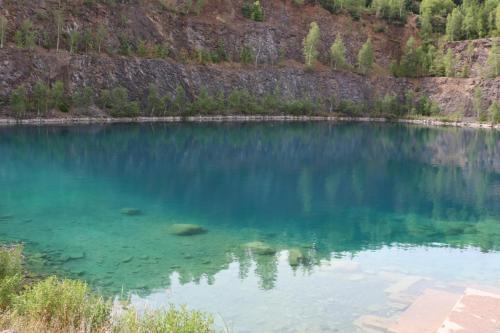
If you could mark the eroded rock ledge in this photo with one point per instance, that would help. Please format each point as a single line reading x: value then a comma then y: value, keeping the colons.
x: 103, y: 72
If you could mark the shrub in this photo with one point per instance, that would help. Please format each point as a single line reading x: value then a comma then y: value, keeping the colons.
x: 11, y: 273
x: 26, y: 35
x: 246, y: 55
x: 173, y: 320
x: 63, y: 304
x: 253, y: 11
x: 83, y: 98
x: 494, y: 111
x: 19, y: 100
x: 41, y: 97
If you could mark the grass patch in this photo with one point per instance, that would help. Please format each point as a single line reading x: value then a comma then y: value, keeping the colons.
x: 63, y: 305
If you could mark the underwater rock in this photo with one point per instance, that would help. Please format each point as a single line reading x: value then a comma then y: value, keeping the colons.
x: 260, y: 248
x: 73, y: 256
x: 295, y: 257
x: 131, y: 211
x: 127, y: 259
x: 187, y: 229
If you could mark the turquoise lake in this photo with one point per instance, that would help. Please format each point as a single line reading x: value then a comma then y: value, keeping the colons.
x: 368, y: 208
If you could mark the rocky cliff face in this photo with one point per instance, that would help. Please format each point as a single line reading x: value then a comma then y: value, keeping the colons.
x: 276, y: 45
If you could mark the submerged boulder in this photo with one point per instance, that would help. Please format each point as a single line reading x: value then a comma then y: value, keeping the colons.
x: 182, y: 229
x: 260, y: 248
x: 131, y: 211
x: 295, y: 257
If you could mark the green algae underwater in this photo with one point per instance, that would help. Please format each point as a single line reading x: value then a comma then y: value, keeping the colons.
x: 284, y: 220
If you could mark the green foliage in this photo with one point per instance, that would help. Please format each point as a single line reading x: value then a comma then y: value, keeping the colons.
x: 246, y: 55
x: 477, y: 105
x: 454, y: 25
x: 125, y: 48
x: 337, y: 53
x: 494, y: 112
x: 414, y: 62
x: 83, y: 98
x: 19, y: 100
x: 118, y: 103
x: 449, y: 63
x: 25, y: 37
x: 253, y: 11
x: 310, y: 44
x: 154, y: 103
x: 63, y: 303
x: 58, y: 99
x: 353, y: 7
x: 11, y: 274
x: 473, y: 19
x: 392, y: 10
x: 493, y: 61
x: 172, y: 320
x: 100, y: 36
x: 3, y: 30
x: 180, y: 101
x: 365, y: 57
x: 41, y: 97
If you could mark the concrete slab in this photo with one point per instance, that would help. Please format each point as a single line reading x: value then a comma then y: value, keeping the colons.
x: 477, y: 311
x: 427, y: 313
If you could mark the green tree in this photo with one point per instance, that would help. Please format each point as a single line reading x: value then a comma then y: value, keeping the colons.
x: 414, y: 61
x: 59, y: 20
x: 257, y: 12
x: 3, y: 30
x: 449, y: 64
x: 83, y: 98
x: 154, y: 104
x: 41, y: 97
x: 74, y: 38
x: 26, y: 35
x: 19, y: 100
x: 454, y: 25
x: 426, y: 26
x: 494, y: 112
x: 477, y: 104
x: 310, y: 44
x: 57, y: 96
x: 365, y: 57
x: 100, y: 36
x: 337, y: 53
x: 469, y: 24
x: 493, y: 61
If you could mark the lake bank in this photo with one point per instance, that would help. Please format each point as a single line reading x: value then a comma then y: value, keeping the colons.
x: 241, y: 118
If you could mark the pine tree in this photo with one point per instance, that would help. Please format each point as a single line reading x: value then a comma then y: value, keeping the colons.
x: 337, y: 53
x: 454, y: 25
x: 493, y: 61
x: 100, y: 36
x: 449, y: 63
x: 365, y: 57
x: 426, y: 26
x: 310, y: 44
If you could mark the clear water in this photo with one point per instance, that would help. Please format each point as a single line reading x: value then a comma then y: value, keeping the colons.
x: 369, y: 206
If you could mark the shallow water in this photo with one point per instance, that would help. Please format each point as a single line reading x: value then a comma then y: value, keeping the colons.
x: 368, y: 207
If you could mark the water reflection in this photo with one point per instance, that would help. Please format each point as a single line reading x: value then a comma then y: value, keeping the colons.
x: 326, y: 189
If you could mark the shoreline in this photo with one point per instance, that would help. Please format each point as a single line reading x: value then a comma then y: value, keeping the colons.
x: 240, y: 118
